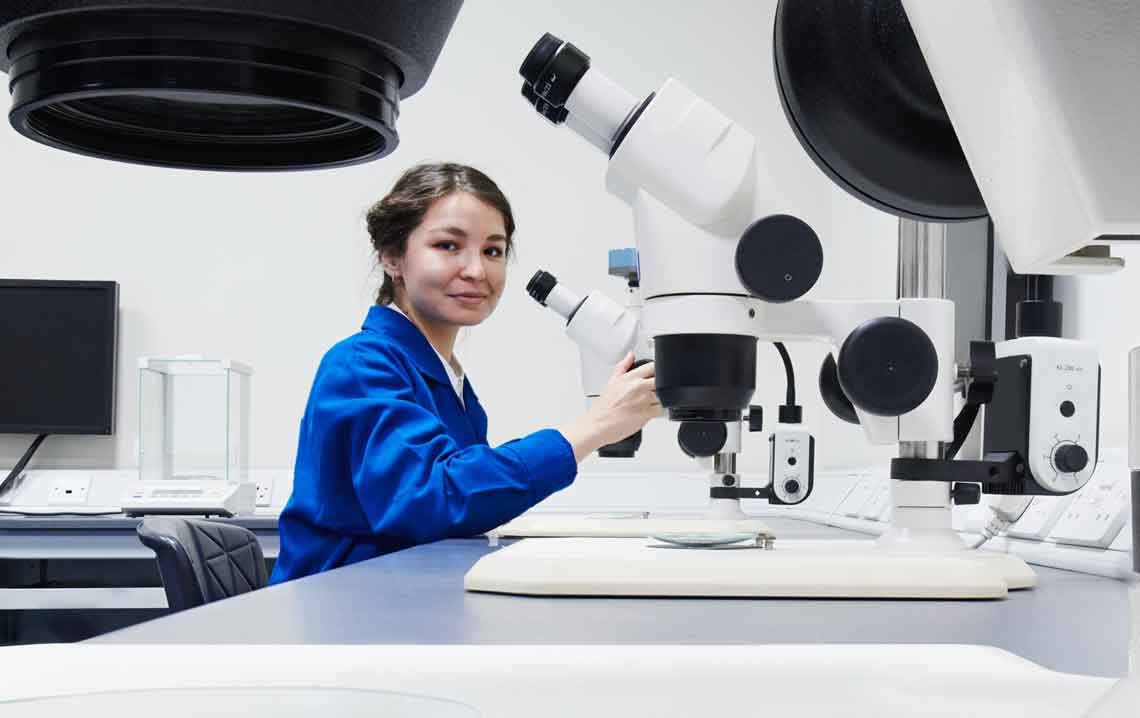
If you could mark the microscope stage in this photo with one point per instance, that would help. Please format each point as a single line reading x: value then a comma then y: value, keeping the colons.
x: 792, y: 569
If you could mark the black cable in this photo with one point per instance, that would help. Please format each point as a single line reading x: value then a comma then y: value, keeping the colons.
x: 963, y: 423
x: 791, y: 397
x: 19, y: 468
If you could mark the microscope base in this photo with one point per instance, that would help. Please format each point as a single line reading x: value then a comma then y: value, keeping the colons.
x: 626, y: 526
x: 793, y: 569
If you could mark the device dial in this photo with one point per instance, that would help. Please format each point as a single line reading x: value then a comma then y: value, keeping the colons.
x: 1070, y: 458
x: 1068, y: 461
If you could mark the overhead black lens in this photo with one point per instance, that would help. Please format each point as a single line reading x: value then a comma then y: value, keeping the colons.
x: 859, y: 97
x: 307, y: 86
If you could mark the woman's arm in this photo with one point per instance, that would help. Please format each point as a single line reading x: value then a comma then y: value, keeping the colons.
x: 412, y: 481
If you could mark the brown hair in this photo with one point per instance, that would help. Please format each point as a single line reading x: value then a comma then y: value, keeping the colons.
x: 393, y: 218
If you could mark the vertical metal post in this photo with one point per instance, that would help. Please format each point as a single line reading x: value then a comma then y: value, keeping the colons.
x: 920, y: 514
x: 725, y: 463
x: 921, y: 275
x: 922, y: 260
x: 1134, y: 458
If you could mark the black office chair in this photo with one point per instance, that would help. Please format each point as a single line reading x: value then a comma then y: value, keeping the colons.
x: 203, y: 561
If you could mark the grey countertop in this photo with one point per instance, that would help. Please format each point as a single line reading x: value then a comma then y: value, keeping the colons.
x: 1071, y: 622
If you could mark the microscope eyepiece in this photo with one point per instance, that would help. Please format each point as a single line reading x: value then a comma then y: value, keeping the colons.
x: 553, y: 69
x: 538, y: 57
x: 557, y: 115
x: 541, y: 285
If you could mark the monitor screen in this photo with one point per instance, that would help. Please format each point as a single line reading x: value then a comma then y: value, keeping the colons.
x: 58, y: 342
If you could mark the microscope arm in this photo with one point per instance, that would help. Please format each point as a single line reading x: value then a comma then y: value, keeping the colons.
x: 843, y: 325
x: 604, y: 330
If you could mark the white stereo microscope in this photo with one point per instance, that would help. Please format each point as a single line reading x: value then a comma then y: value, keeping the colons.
x: 1011, y: 121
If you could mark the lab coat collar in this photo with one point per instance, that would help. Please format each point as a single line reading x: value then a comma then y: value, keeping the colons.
x: 383, y: 320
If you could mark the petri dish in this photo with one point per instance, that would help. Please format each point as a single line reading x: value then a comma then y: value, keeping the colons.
x: 240, y: 702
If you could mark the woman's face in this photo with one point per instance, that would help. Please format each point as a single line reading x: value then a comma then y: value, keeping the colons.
x: 455, y: 265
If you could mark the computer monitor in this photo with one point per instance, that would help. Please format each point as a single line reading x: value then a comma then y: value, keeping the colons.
x: 58, y: 347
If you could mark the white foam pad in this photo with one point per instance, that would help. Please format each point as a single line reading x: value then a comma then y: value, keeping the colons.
x: 830, y: 569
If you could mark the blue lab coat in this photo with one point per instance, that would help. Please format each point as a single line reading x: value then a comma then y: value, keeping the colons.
x: 388, y: 458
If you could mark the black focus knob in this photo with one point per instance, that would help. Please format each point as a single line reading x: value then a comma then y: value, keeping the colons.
x: 887, y: 366
x: 832, y: 393
x: 624, y: 449
x: 966, y: 494
x: 702, y: 438
x: 792, y: 486
x: 779, y: 258
x: 756, y: 418
x: 1070, y: 458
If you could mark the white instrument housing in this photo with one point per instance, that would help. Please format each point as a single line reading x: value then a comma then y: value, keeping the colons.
x: 1044, y: 104
x: 1064, y: 406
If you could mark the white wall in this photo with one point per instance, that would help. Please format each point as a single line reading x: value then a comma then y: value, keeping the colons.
x: 272, y: 269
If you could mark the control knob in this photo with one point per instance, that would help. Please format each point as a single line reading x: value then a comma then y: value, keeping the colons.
x: 1070, y: 458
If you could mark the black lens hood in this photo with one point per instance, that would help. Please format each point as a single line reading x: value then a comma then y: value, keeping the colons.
x: 214, y: 84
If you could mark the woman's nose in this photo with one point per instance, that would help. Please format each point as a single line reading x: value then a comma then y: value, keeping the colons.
x: 473, y: 266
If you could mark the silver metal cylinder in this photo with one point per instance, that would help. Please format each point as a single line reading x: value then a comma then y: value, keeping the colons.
x: 920, y: 449
x: 922, y: 260
x: 1134, y: 465
x: 1134, y: 410
x: 725, y: 463
x: 921, y: 275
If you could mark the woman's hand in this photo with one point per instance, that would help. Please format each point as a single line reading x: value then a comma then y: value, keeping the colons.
x: 626, y: 404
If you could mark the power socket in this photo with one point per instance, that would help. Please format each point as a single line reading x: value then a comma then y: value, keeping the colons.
x: 264, y: 491
x: 857, y: 498
x: 69, y: 491
x: 1098, y: 514
x: 878, y: 502
x: 1040, y: 518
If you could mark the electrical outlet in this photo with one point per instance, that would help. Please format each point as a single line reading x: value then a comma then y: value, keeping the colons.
x: 69, y: 491
x: 879, y: 501
x: 264, y: 491
x: 1097, y: 515
x: 1040, y: 518
x: 1123, y: 540
x: 857, y: 498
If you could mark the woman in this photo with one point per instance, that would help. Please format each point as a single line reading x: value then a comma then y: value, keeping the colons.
x: 393, y: 444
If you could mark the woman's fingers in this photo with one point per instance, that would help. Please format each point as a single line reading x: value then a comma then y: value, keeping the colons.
x: 622, y: 366
x: 647, y: 370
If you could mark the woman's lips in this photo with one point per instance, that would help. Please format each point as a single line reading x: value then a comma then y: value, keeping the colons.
x: 470, y: 300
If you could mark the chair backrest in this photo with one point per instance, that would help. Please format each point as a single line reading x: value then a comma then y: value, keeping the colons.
x: 202, y: 561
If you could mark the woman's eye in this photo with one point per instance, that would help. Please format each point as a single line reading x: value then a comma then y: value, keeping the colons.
x: 494, y: 252
x: 446, y: 246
